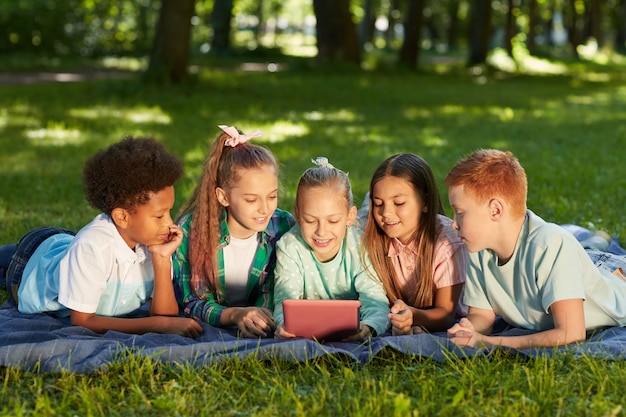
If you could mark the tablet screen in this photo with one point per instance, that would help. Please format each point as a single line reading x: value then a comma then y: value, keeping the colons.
x: 323, y: 320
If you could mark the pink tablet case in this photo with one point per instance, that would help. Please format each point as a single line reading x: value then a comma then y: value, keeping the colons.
x: 322, y: 320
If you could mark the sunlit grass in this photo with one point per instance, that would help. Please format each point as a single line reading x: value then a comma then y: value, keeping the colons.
x: 568, y: 131
x: 390, y: 385
x: 546, y: 121
x: 137, y: 116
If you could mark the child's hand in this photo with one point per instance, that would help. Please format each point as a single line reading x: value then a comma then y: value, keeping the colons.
x: 254, y: 321
x: 364, y: 332
x: 281, y: 333
x: 401, y: 318
x: 171, y: 243
x: 182, y: 326
x: 463, y: 334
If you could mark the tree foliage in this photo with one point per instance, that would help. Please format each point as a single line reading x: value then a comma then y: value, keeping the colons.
x: 78, y: 27
x: 342, y: 30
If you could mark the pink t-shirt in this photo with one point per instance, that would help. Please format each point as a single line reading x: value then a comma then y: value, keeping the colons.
x: 450, y: 256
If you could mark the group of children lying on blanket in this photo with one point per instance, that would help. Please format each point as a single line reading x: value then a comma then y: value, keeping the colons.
x: 232, y: 255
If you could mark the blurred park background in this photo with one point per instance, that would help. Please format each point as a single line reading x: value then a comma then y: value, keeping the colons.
x: 166, y: 36
x: 353, y: 80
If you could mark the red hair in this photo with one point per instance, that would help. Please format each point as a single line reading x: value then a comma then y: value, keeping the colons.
x: 488, y: 173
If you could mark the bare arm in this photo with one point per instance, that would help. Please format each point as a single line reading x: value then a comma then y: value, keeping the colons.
x: 481, y: 319
x: 163, y: 308
x: 163, y: 300
x: 440, y: 317
x: 569, y: 327
x: 159, y: 324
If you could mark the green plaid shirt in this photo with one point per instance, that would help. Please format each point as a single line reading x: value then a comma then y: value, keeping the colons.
x: 207, y: 305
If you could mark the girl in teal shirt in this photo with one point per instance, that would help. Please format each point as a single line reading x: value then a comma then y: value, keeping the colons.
x: 320, y: 257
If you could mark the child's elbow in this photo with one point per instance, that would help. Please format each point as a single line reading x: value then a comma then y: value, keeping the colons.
x: 576, y: 337
x: 87, y: 321
x: 164, y: 311
x: 445, y: 322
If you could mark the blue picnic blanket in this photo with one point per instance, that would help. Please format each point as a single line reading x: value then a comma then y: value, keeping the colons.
x: 48, y: 344
x: 582, y: 233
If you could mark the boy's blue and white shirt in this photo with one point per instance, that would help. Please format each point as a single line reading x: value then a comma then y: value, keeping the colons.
x: 92, y: 272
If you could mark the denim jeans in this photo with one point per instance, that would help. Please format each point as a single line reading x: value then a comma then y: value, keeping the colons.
x: 608, y: 261
x: 6, y: 252
x: 22, y: 253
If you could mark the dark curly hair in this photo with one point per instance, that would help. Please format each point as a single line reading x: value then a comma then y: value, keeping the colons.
x: 124, y: 174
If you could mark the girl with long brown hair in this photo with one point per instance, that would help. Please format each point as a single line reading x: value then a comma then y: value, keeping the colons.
x: 412, y: 246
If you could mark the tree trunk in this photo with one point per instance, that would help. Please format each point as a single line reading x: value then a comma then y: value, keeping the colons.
x: 532, y: 27
x: 409, y: 53
x: 365, y: 25
x: 574, y: 29
x: 170, y: 54
x: 480, y: 29
x: 620, y: 37
x: 453, y: 27
x: 221, y: 19
x: 337, y: 39
x: 595, y: 21
x: 509, y: 31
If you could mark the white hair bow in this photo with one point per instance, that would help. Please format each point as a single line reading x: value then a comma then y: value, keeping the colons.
x: 322, y: 161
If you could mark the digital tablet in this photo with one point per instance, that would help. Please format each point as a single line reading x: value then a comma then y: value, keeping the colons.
x: 322, y: 320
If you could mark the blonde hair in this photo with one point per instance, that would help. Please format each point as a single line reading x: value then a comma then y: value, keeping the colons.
x: 488, y: 173
x: 325, y: 174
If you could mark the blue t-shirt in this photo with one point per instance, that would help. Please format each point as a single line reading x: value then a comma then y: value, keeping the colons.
x: 548, y: 265
x: 92, y: 272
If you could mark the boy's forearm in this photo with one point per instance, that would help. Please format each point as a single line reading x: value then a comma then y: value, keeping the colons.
x: 548, y: 338
x: 163, y: 300
x: 481, y: 323
x: 101, y: 324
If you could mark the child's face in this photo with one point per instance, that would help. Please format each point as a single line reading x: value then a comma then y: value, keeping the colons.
x: 397, y: 207
x: 149, y: 224
x: 323, y: 216
x: 471, y: 218
x: 251, y: 201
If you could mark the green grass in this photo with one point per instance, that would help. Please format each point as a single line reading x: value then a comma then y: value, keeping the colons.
x: 568, y: 130
x: 390, y: 385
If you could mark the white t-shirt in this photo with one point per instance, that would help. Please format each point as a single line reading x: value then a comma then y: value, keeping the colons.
x: 238, y: 258
x: 548, y: 265
x: 93, y: 272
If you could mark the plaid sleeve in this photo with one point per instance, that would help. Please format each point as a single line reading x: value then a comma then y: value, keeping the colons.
x: 203, y: 307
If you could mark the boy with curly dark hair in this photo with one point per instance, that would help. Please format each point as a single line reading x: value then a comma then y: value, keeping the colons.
x: 120, y: 260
